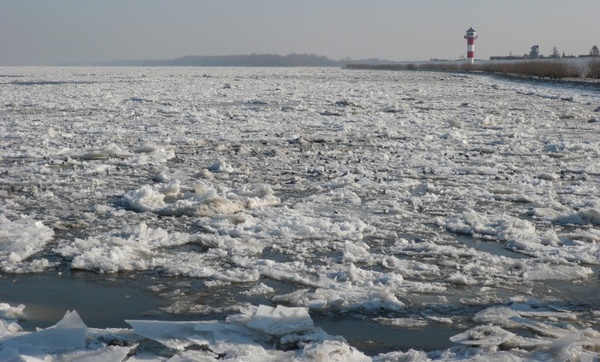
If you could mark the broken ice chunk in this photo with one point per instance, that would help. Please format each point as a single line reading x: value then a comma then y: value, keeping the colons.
x: 19, y: 240
x: 221, y: 338
x: 67, y: 334
x: 8, y: 312
x: 171, y: 334
x: 109, y: 353
x: 483, y: 336
x: 278, y: 320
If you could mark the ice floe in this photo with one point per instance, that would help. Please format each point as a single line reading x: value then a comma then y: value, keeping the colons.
x: 400, y: 201
x: 259, y: 333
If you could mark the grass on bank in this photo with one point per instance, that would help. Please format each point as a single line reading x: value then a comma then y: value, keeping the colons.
x: 546, y: 68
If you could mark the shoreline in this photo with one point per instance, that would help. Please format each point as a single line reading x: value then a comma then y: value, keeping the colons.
x: 483, y: 69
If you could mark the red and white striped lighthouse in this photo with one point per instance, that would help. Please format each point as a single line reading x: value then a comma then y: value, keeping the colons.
x: 471, y: 36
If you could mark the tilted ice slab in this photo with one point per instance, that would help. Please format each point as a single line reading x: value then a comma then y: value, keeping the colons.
x: 265, y: 333
x: 67, y: 335
x: 19, y: 240
x: 259, y: 333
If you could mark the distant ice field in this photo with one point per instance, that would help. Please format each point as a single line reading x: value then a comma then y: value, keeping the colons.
x: 406, y: 201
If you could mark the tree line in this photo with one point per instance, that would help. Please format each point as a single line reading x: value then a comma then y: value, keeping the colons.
x: 250, y: 60
x: 594, y: 52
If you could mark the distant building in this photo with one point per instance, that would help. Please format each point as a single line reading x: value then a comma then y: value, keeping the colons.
x: 535, y: 52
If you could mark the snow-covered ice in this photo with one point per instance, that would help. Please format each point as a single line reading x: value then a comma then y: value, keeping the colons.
x: 20, y: 239
x: 272, y: 198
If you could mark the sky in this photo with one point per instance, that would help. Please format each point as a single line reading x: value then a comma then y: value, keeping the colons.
x: 55, y: 32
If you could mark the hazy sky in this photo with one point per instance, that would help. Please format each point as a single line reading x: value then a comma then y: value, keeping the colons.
x: 47, y: 32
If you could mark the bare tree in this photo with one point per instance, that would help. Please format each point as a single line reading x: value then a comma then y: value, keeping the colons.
x: 555, y: 53
x: 595, y: 52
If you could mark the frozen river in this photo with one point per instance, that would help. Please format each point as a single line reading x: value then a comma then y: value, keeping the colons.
x: 454, y: 214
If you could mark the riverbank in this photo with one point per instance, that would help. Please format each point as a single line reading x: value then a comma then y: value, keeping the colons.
x: 572, y: 69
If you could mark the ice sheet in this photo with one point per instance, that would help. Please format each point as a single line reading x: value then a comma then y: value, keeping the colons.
x: 407, y: 198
